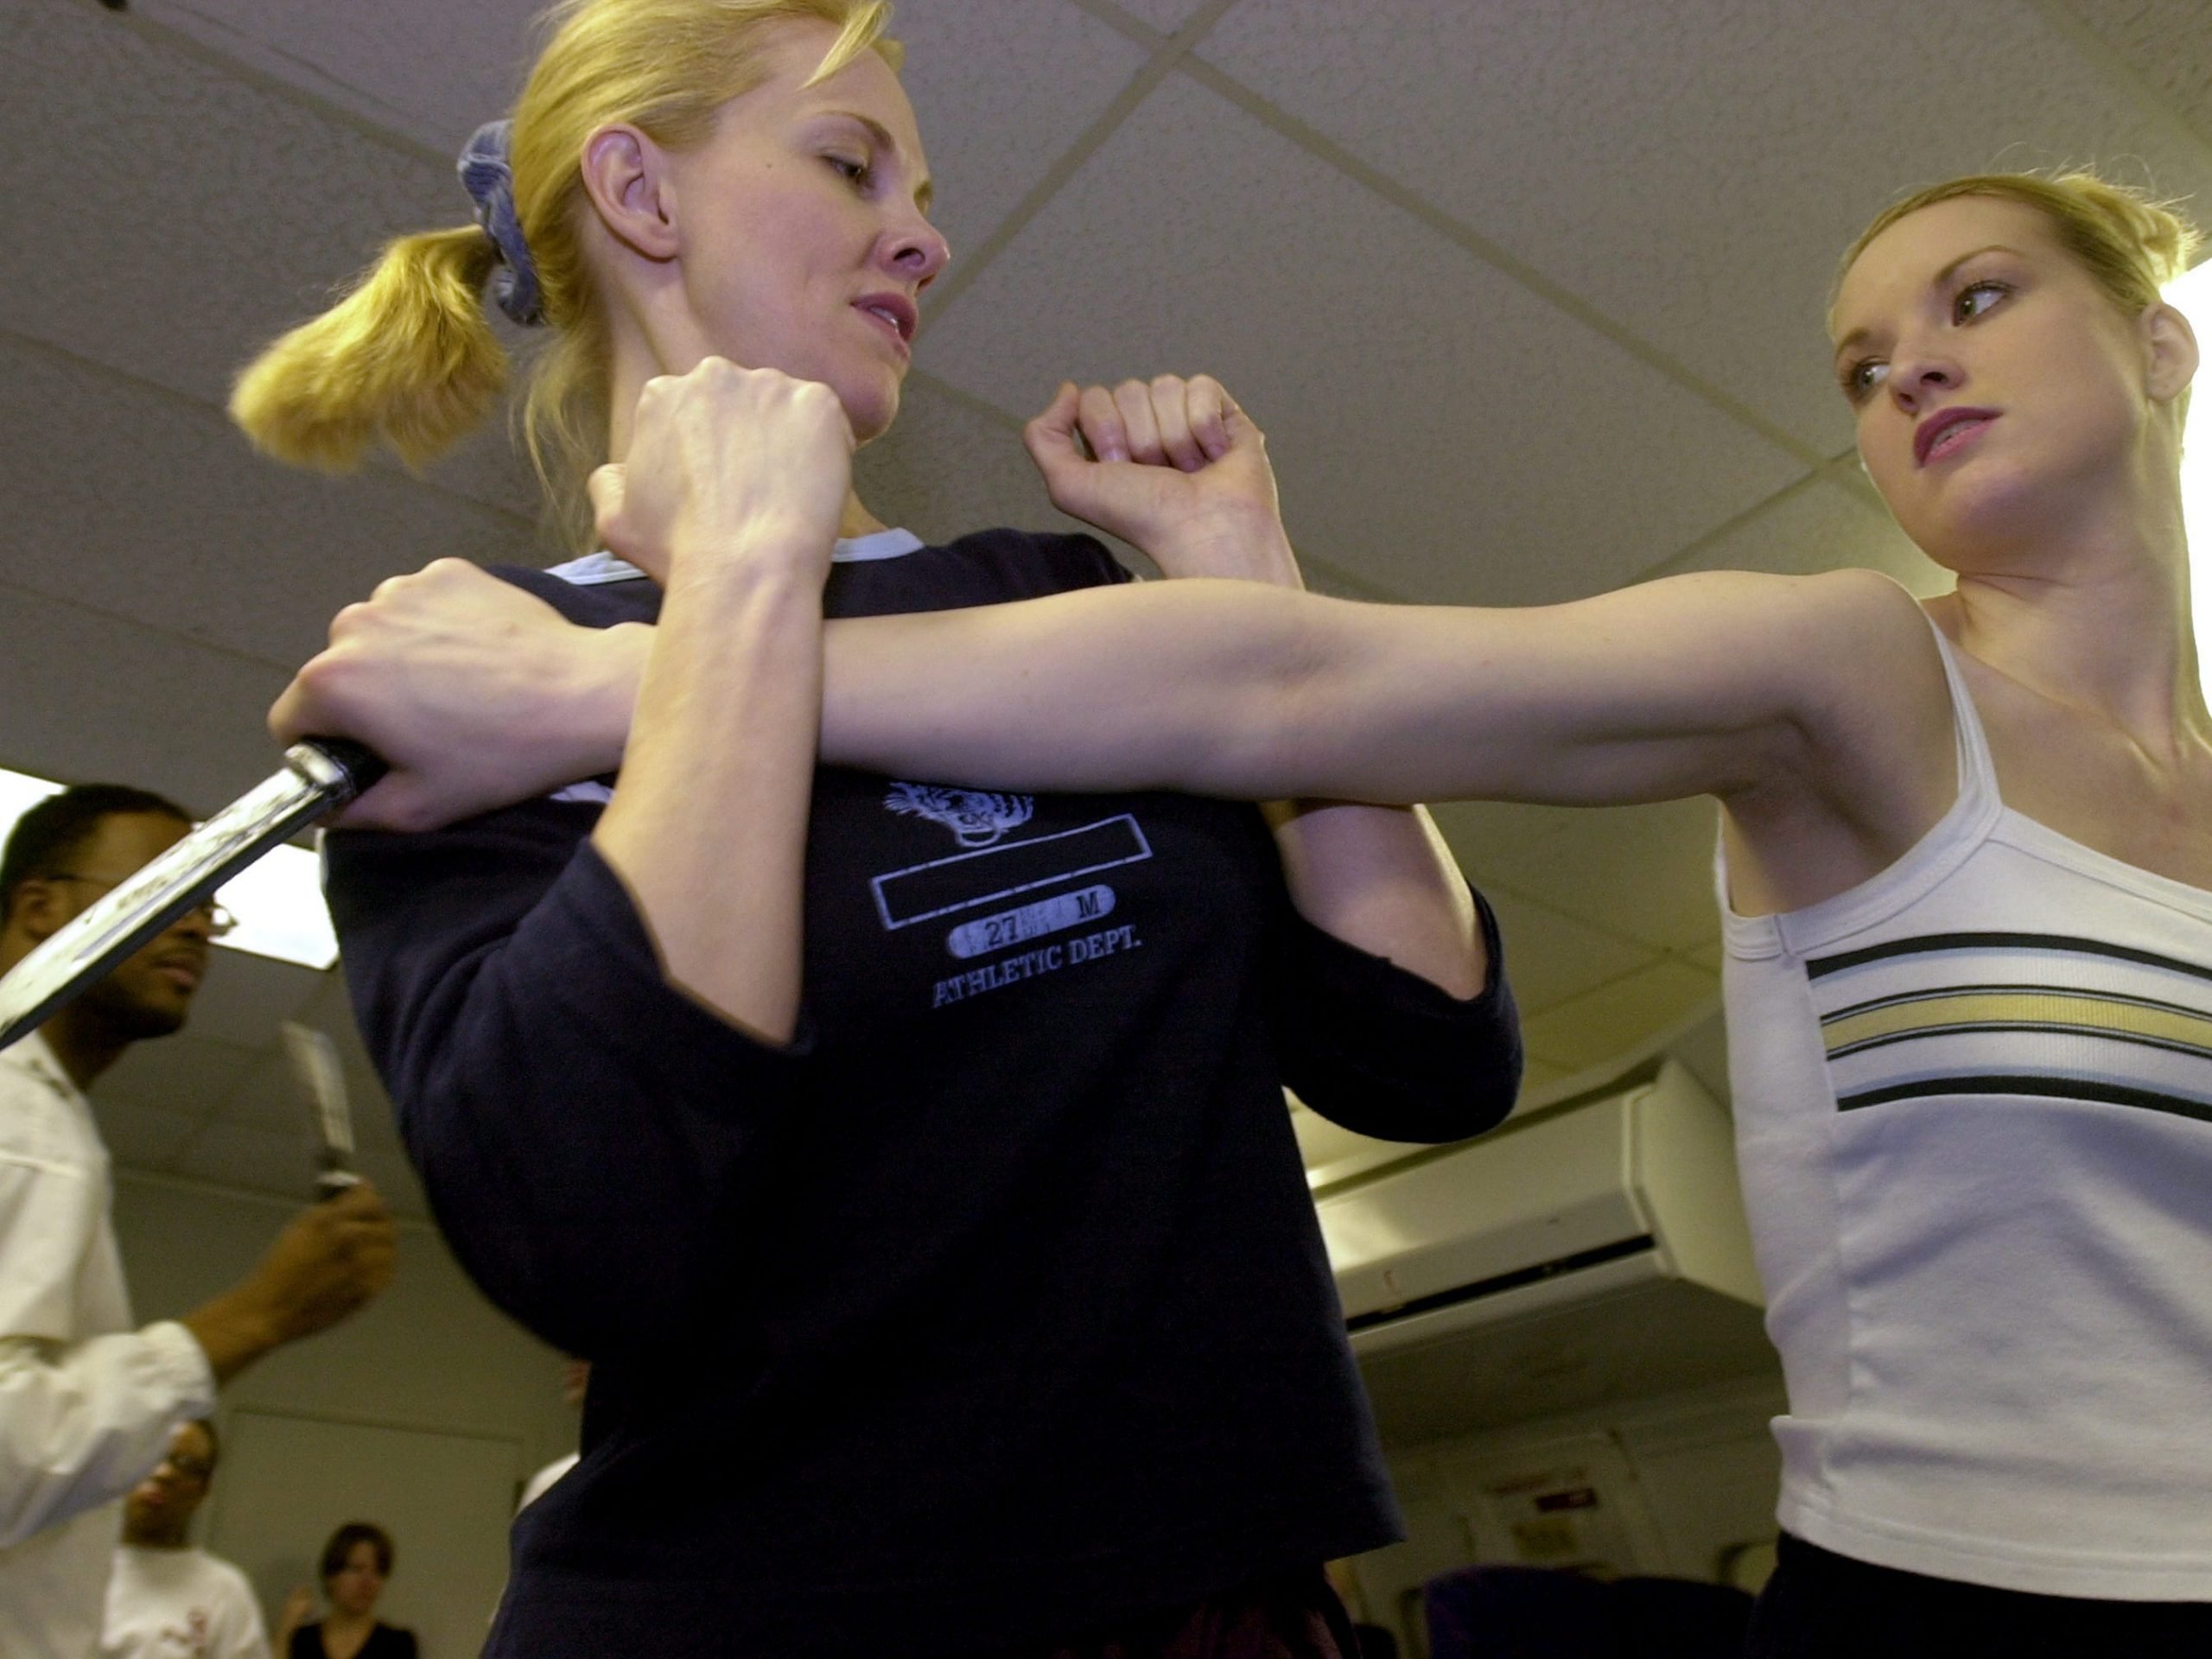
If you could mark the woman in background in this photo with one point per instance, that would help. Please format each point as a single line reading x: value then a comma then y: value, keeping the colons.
x: 1966, y: 869
x: 910, y: 1161
x: 356, y: 1566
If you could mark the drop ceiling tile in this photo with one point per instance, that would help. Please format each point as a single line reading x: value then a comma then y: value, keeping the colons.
x: 2168, y: 43
x: 426, y: 68
x: 946, y: 468
x: 151, y: 507
x: 140, y: 1137
x: 1821, y: 526
x: 1640, y: 872
x: 1536, y: 1076
x: 245, y: 998
x: 1550, y: 956
x: 1436, y: 429
x: 98, y: 697
x: 1693, y: 170
x: 1479, y: 830
x: 231, y: 1155
x: 1002, y: 89
x: 133, y: 500
x: 167, y: 215
x: 1604, y: 1024
x: 395, y: 1180
x: 375, y: 1129
x: 268, y: 1097
x: 1166, y: 16
x: 187, y: 1074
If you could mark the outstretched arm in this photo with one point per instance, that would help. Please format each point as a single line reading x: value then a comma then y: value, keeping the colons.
x: 1720, y: 683
x: 1780, y: 695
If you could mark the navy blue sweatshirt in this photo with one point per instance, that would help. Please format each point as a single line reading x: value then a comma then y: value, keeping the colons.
x: 992, y: 1308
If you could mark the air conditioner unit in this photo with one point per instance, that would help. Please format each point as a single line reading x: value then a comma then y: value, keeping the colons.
x: 1590, y: 1252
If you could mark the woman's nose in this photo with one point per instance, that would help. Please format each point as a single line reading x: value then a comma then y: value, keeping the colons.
x: 918, y: 251
x: 1914, y: 380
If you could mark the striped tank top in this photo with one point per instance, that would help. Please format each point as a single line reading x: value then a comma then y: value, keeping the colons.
x: 1973, y: 1113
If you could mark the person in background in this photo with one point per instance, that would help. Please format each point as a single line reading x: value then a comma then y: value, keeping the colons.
x: 167, y: 1600
x: 356, y: 1565
x: 87, y: 1404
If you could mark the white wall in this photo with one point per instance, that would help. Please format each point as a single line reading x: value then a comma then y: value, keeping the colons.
x: 423, y: 1414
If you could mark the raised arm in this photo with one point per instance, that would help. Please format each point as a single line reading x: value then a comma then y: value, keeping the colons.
x: 730, y: 496
x: 587, y: 1041
x: 1178, y: 469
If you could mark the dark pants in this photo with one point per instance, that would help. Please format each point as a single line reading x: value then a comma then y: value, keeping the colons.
x: 1819, y: 1603
x: 1297, y: 1617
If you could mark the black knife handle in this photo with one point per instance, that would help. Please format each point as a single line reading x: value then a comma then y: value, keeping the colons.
x: 363, y: 766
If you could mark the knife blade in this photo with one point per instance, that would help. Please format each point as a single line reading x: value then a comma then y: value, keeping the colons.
x: 322, y: 1082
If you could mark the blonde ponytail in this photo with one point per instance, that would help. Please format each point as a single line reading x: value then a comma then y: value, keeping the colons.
x: 407, y: 358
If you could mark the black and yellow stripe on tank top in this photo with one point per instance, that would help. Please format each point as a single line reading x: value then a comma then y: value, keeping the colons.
x: 2038, y: 1014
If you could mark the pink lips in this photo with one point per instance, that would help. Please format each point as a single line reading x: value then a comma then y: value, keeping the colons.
x: 1930, y: 433
x: 894, y: 311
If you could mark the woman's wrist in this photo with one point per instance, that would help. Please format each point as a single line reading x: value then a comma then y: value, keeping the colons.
x: 1252, y: 547
x: 603, y: 694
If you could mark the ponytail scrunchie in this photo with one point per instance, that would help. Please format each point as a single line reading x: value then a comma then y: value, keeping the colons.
x: 490, y: 182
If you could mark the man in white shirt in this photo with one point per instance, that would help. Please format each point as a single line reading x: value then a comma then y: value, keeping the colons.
x: 87, y: 1403
x: 165, y: 1598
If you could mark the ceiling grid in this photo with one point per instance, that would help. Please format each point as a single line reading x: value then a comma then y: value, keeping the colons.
x: 1527, y: 299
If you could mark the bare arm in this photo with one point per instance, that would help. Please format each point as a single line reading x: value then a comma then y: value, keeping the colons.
x: 1726, y: 683
x: 1777, y: 694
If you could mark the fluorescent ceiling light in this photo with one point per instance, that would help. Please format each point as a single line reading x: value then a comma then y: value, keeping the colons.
x: 277, y: 899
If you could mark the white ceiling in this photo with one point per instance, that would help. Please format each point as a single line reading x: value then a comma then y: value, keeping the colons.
x: 1527, y: 295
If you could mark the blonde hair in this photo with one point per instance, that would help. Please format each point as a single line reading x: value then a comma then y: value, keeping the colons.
x: 2132, y: 243
x: 408, y: 358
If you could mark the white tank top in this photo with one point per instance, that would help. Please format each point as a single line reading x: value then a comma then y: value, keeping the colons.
x: 1974, y: 1111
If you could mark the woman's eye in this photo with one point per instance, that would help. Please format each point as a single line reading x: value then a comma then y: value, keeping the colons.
x: 855, y: 172
x: 1975, y: 298
x: 1862, y: 376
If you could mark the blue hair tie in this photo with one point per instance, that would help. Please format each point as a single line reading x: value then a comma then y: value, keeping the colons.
x: 490, y: 181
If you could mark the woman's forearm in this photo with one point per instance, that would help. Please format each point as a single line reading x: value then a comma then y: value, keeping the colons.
x: 1184, y: 685
x: 707, y: 826
x: 1382, y: 878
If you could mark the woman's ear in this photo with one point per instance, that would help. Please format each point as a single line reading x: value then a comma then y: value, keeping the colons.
x: 2170, y: 346
x: 626, y: 175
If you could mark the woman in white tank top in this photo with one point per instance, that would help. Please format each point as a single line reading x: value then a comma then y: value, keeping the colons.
x: 1966, y: 857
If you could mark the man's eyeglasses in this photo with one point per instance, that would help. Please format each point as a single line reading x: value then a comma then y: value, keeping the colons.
x: 219, y: 921
x: 190, y: 1467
